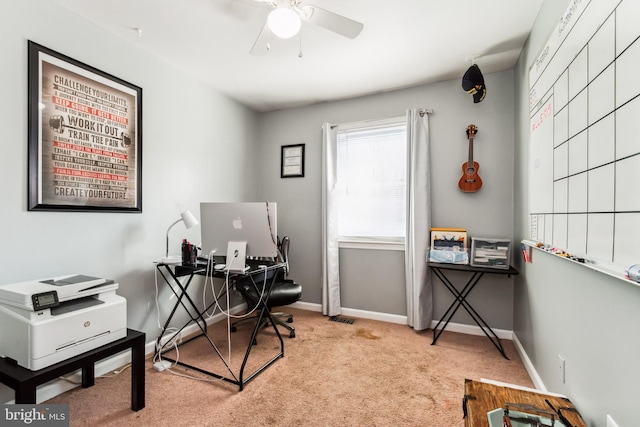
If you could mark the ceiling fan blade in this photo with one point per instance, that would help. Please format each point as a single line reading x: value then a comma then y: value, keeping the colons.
x: 261, y: 45
x: 331, y: 21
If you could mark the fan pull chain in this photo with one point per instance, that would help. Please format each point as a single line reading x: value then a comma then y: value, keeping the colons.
x: 300, y: 46
x: 268, y: 39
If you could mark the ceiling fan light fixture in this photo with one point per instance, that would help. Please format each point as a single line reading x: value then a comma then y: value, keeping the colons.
x: 284, y: 22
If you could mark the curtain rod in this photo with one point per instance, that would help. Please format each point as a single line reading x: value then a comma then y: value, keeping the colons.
x: 421, y: 111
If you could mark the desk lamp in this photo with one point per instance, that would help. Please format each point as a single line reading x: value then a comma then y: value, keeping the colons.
x: 189, y: 221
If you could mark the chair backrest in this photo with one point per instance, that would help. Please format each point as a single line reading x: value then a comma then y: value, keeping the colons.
x: 284, y: 252
x: 283, y: 291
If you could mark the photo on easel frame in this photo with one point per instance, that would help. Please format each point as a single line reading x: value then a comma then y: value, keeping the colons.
x: 449, y: 239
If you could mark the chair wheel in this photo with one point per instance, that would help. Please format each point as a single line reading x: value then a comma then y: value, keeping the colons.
x: 292, y: 334
x: 290, y: 320
x: 234, y: 329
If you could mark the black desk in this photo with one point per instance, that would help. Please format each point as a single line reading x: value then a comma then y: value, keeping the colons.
x: 25, y: 381
x: 172, y: 273
x: 476, y: 274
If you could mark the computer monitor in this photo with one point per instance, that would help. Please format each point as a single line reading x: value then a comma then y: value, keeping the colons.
x: 252, y: 222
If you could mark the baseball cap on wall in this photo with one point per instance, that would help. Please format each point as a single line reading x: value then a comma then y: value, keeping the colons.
x: 473, y: 83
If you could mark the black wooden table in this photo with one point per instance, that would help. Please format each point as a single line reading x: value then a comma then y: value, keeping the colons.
x: 25, y: 381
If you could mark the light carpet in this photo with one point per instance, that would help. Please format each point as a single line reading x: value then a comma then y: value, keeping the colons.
x: 368, y: 373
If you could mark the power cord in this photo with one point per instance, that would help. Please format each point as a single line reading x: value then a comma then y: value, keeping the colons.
x: 174, y: 341
x: 175, y: 335
x: 116, y: 372
x: 217, y: 306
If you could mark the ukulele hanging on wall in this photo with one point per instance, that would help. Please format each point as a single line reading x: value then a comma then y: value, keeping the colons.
x: 470, y: 181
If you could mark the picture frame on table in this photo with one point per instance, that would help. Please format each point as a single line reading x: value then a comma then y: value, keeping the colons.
x: 292, y: 161
x: 448, y: 245
x: 449, y: 239
x: 84, y: 137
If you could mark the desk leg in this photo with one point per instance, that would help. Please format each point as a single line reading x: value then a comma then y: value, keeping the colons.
x: 137, y: 374
x: 455, y: 305
x: 183, y: 294
x: 264, y: 312
x: 462, y: 301
x: 172, y: 280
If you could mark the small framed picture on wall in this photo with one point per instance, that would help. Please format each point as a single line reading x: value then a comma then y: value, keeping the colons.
x: 292, y: 161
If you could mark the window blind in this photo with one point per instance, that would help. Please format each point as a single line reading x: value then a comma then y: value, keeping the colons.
x: 371, y: 167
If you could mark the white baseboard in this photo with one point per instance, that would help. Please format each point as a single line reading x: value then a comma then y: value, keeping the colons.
x: 402, y: 320
x: 503, y: 334
x: 307, y: 306
x: 528, y: 365
x: 363, y: 314
x: 383, y: 317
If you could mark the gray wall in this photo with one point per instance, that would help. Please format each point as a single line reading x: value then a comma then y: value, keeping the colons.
x: 379, y: 286
x: 563, y: 308
x: 194, y: 141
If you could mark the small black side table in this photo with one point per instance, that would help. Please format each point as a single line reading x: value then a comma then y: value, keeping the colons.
x: 25, y: 381
x: 476, y: 274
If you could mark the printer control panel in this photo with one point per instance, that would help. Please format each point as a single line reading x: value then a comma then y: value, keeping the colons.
x: 45, y: 300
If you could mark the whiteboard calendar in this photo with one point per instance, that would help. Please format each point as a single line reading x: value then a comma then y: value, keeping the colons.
x: 584, y: 158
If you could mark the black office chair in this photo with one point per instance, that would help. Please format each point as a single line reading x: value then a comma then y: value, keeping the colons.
x: 284, y: 291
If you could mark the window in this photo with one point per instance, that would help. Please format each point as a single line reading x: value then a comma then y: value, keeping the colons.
x: 371, y: 172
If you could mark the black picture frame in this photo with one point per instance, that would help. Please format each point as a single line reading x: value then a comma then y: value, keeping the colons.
x: 292, y: 161
x: 84, y: 137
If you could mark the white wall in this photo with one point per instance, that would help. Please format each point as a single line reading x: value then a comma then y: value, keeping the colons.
x: 197, y: 145
x: 378, y: 286
x: 563, y: 308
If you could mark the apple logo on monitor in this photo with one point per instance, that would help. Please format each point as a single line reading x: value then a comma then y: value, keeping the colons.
x: 237, y: 223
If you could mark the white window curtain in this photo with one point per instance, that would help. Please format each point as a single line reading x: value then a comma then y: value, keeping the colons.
x: 330, y: 251
x: 418, y: 223
x: 418, y: 279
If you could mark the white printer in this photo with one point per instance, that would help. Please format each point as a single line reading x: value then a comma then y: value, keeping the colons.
x: 48, y: 321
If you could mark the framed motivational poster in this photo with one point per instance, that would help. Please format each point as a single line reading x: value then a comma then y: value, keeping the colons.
x: 85, y: 137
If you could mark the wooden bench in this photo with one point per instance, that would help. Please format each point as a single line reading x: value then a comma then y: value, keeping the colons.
x: 24, y: 381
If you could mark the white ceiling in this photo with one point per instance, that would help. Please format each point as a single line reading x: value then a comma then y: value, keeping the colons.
x: 404, y: 43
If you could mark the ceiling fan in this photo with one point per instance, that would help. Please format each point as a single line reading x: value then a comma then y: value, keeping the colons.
x: 287, y: 17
